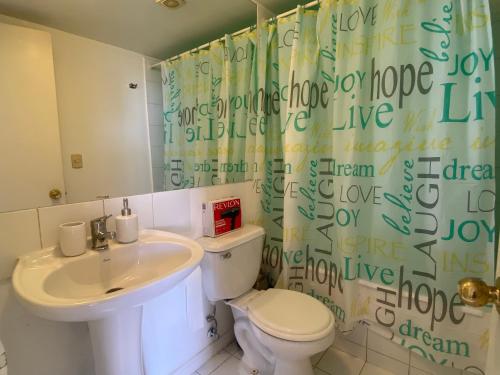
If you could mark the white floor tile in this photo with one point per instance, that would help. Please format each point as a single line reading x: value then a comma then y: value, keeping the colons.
x: 387, y: 347
x: 339, y: 363
x: 387, y: 363
x: 317, y: 357
x: 370, y: 369
x: 430, y: 367
x: 350, y: 347
x: 234, y: 350
x: 417, y: 371
x: 317, y: 371
x: 213, y: 363
x: 230, y: 367
x: 358, y: 335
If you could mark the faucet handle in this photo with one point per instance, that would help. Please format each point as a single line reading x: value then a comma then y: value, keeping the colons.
x: 100, y: 233
x: 102, y: 219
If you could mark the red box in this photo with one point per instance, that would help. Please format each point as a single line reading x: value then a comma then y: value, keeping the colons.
x: 221, y: 216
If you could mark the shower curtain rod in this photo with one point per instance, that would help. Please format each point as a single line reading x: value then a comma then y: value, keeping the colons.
x: 285, y: 14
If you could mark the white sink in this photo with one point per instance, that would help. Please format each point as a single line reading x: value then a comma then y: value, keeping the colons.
x: 107, y: 288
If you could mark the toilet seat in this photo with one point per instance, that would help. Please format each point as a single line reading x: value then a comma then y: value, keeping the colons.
x: 290, y: 315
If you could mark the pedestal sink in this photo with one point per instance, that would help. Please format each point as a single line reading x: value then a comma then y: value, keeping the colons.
x: 107, y: 289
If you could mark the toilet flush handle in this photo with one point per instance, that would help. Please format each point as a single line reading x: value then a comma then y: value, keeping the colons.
x: 226, y: 255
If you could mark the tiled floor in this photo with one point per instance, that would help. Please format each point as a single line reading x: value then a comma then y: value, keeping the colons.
x: 330, y: 362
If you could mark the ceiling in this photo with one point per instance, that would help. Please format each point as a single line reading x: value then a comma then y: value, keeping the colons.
x: 142, y: 25
x: 147, y: 28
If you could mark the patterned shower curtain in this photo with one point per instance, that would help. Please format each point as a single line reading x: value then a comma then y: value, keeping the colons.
x: 368, y: 129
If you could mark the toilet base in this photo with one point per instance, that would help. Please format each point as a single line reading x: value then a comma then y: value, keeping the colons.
x: 264, y: 354
x: 289, y: 367
x: 255, y: 357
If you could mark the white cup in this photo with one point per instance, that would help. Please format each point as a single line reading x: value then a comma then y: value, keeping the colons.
x: 72, y: 238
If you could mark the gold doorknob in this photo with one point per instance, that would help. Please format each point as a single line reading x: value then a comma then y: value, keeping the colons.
x: 55, y: 194
x: 476, y: 293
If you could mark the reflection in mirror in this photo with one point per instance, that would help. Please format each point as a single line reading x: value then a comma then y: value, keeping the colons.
x: 82, y: 127
x: 209, y: 101
x: 93, y: 123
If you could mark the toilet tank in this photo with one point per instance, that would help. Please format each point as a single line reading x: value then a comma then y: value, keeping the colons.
x: 231, y: 262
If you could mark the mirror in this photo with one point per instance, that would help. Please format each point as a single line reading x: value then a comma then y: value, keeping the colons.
x: 73, y: 120
x: 82, y: 120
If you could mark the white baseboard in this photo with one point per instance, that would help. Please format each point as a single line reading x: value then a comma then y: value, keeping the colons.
x: 204, y: 355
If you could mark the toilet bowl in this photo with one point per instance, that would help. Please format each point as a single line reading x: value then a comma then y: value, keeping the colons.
x: 278, y: 330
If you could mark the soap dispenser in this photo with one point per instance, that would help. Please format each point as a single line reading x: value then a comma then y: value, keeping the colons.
x: 127, y: 228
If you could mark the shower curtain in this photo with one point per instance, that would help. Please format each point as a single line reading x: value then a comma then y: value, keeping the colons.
x: 368, y: 130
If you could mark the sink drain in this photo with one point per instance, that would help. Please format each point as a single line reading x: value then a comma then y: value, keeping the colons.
x: 112, y: 290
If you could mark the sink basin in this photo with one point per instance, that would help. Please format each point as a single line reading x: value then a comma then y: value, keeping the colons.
x: 95, y: 284
x: 106, y: 288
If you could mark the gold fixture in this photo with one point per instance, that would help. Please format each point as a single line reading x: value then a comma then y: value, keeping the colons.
x: 476, y: 293
x: 55, y: 194
x: 171, y: 4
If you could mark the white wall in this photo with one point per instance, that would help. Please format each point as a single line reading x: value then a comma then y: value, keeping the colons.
x: 41, y: 347
x: 100, y: 116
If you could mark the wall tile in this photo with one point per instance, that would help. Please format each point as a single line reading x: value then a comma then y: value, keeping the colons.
x: 155, y: 114
x: 153, y: 75
x: 142, y: 205
x: 386, y: 363
x: 387, y: 347
x: 19, y: 235
x: 153, y: 92
x: 171, y: 210
x: 155, y: 121
x: 156, y: 135
x: 51, y: 217
x: 204, y: 194
x: 158, y: 179
x: 157, y: 156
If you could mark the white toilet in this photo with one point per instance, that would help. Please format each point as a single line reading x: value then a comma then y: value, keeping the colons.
x: 278, y: 330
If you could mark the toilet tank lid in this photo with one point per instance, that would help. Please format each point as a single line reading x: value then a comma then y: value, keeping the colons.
x: 232, y: 239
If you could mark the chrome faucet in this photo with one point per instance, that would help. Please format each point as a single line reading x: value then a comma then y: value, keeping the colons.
x: 100, y: 234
